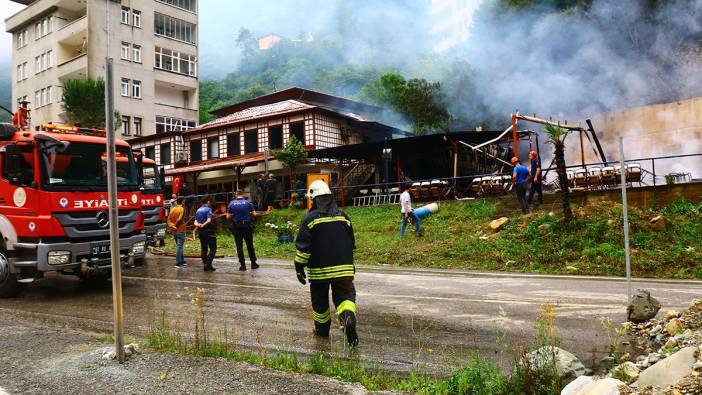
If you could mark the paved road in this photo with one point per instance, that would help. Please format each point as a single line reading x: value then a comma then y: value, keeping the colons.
x: 426, y: 318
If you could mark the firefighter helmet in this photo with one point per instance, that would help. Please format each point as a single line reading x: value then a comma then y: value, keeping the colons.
x: 515, y: 160
x: 318, y: 188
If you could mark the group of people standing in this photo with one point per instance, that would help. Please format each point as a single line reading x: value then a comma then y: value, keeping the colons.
x: 528, y: 182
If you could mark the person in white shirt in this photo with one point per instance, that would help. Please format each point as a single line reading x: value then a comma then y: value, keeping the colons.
x: 407, y: 212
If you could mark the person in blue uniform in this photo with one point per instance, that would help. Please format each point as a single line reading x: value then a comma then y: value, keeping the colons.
x: 240, y: 213
x: 519, y: 179
x: 207, y: 234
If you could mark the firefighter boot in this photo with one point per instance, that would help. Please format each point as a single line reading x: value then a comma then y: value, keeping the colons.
x: 348, y: 322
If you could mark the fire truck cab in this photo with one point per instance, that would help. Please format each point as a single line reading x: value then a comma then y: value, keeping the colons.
x: 152, y: 203
x: 54, y: 205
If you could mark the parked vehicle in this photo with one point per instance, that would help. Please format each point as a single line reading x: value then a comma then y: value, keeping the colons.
x: 54, y: 205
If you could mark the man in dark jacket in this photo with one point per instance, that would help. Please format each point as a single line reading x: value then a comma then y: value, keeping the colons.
x: 325, y: 244
x: 240, y: 213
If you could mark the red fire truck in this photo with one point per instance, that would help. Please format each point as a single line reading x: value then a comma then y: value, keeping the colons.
x: 151, y: 180
x: 54, y: 205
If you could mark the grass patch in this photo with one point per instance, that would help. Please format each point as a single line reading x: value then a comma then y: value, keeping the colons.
x: 474, y: 376
x: 457, y: 237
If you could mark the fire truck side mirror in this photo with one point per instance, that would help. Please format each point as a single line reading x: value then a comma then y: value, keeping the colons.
x: 13, y: 164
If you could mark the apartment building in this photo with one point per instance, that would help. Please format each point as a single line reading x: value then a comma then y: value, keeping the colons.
x: 154, y: 44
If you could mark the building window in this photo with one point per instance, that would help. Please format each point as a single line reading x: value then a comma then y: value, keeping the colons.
x: 166, y: 153
x: 125, y: 125
x: 44, y: 97
x: 125, y: 87
x: 275, y: 137
x: 150, y: 152
x: 22, y: 39
x: 174, y: 28
x: 168, y: 124
x: 49, y: 58
x: 213, y: 147
x: 37, y: 99
x: 20, y: 77
x: 125, y: 51
x: 250, y: 141
x: 49, y: 95
x: 136, y: 53
x: 125, y: 15
x: 37, y: 65
x: 43, y: 27
x: 297, y: 130
x: 233, y: 144
x: 188, y: 5
x: 136, y: 89
x: 195, y: 150
x: 137, y: 126
x: 176, y: 62
x: 136, y: 15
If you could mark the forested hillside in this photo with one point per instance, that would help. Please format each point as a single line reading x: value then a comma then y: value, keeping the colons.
x: 584, y: 49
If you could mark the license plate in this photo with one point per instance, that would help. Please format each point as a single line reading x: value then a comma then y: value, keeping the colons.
x: 100, y: 249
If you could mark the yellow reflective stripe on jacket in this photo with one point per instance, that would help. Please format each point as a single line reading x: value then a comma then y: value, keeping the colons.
x: 321, y: 220
x: 302, y: 257
x: 321, y: 318
x: 328, y: 269
x: 331, y: 275
x: 346, y: 305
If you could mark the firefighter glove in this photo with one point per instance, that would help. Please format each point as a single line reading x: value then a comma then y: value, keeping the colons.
x: 301, y: 276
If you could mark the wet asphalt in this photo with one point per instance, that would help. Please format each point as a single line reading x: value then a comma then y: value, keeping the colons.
x: 408, y: 318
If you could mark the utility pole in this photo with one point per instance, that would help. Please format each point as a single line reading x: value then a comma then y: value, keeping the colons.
x: 114, y: 221
x: 626, y: 218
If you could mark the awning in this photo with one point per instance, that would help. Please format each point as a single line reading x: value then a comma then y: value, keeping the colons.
x: 216, y: 164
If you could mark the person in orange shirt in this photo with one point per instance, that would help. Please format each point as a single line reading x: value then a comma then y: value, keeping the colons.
x: 176, y: 224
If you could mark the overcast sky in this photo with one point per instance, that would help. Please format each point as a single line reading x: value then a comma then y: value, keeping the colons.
x: 220, y: 21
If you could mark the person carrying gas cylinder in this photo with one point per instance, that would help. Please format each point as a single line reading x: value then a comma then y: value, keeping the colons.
x: 325, y: 244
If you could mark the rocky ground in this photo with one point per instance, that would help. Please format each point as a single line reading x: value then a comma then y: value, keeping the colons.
x: 39, y: 359
x: 663, y: 357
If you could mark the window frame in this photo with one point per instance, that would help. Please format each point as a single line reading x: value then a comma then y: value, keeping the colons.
x: 136, y: 89
x: 161, y: 159
x: 197, y: 144
x: 234, y: 137
x: 125, y: 12
x: 247, y: 133
x: 137, y: 126
x: 125, y: 87
x: 270, y: 139
x: 136, y: 18
x: 136, y: 49
x: 124, y: 53
x: 126, y: 125
x: 210, y: 141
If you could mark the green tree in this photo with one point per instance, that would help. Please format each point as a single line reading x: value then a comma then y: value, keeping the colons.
x: 84, y: 102
x: 419, y: 101
x: 246, y: 42
x: 557, y: 138
x: 292, y: 156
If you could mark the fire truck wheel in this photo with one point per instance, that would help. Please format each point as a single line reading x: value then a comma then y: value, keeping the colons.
x: 9, y: 287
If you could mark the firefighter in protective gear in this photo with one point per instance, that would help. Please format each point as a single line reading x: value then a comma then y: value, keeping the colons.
x: 325, y: 244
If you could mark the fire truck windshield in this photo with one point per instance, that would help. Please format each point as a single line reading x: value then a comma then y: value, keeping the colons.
x: 82, y: 166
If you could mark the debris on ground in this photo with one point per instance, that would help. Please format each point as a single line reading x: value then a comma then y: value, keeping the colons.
x: 568, y: 365
x: 671, y: 354
x: 498, y: 224
x: 129, y: 350
x: 643, y: 307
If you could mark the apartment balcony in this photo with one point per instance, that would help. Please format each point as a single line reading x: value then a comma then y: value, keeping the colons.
x: 74, y: 69
x: 74, y: 31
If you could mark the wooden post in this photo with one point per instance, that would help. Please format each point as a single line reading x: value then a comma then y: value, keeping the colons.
x: 582, y: 149
x: 341, y: 181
